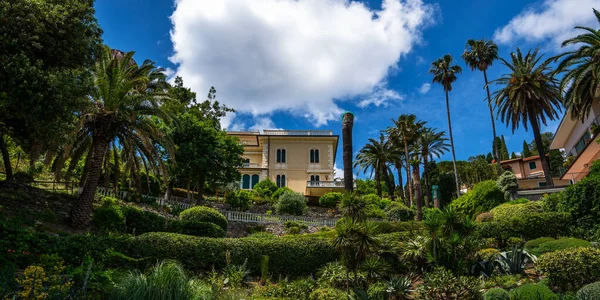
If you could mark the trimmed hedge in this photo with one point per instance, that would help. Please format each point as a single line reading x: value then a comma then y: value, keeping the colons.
x: 204, y: 214
x: 393, y: 226
x: 531, y: 226
x: 532, y: 291
x: 108, y: 218
x: 195, y: 228
x: 483, y: 197
x: 589, y: 292
x: 509, y: 210
x: 139, y: 221
x: 294, y: 257
x: 570, y: 269
x: 330, y: 199
x: 496, y: 294
x: 239, y: 199
x: 555, y: 245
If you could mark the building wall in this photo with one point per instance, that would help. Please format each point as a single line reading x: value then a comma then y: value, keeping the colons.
x: 580, y: 127
x: 529, y: 172
x: 534, y: 182
x: 516, y: 168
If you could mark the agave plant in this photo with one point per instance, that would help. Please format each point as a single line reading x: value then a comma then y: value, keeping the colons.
x: 485, y: 268
x: 399, y: 287
x: 514, y: 261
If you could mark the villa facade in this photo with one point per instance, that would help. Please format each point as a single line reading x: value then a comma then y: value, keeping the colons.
x: 302, y: 160
x: 529, y: 172
x: 578, y: 139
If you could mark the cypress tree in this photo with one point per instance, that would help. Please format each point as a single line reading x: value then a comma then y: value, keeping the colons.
x: 526, y: 152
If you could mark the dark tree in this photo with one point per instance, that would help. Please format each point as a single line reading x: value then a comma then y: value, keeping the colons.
x: 347, y: 124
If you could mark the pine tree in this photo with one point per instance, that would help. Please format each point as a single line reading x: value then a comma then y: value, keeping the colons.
x: 526, y: 152
x: 513, y: 156
x: 504, y: 149
x: 489, y: 157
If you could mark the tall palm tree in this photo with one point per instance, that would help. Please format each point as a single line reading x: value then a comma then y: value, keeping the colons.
x: 416, y: 178
x: 529, y: 95
x: 374, y: 156
x: 431, y: 144
x: 124, y: 98
x: 581, y: 81
x: 397, y: 159
x: 404, y: 132
x: 444, y: 71
x: 480, y: 54
x: 347, y: 124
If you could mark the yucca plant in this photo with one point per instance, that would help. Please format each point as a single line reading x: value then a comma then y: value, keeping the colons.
x: 514, y: 261
x: 399, y: 287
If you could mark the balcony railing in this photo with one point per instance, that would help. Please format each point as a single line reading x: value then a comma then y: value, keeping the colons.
x: 325, y: 184
x: 298, y: 132
x: 591, y: 133
x: 251, y: 165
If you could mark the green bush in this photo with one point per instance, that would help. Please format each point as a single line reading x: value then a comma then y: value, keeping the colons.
x: 509, y: 210
x: 442, y: 284
x: 265, y: 188
x: 399, y: 212
x: 537, y: 242
x: 582, y: 201
x: 327, y: 294
x: 589, y: 292
x: 280, y: 191
x: 378, y: 291
x: 384, y: 203
x: 555, y: 245
x: 107, y: 201
x: 570, y: 269
x: 291, y: 203
x: 532, y: 291
x: 108, y: 219
x: 393, y: 226
x: 374, y: 212
x: 296, y: 289
x: 550, y: 202
x: 483, y: 197
x: 330, y: 199
x: 532, y: 226
x: 496, y: 294
x: 239, y: 199
x: 139, y: 221
x: 293, y: 257
x: 372, y: 199
x: 518, y: 201
x: 195, y: 228
x: 204, y: 214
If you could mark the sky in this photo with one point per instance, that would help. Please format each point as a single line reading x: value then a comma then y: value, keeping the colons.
x: 299, y: 64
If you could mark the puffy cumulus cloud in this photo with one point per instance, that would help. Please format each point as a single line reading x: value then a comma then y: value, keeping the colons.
x: 380, y: 96
x: 425, y: 88
x: 292, y: 55
x: 338, y: 172
x: 553, y: 20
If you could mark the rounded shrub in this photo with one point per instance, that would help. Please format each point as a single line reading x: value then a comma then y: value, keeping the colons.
x: 581, y: 200
x: 570, y: 269
x: 327, y: 294
x: 484, y: 217
x: 330, y: 199
x: 589, y: 292
x: 196, y: 228
x: 483, y: 197
x: 536, y: 242
x: 280, y: 191
x: 496, y: 294
x: 534, y: 292
x: 399, y: 212
x: 558, y: 244
x: 109, y: 219
x: 265, y: 188
x: 204, y: 214
x: 239, y: 199
x: 139, y: 221
x: 508, y: 210
x: 372, y: 199
x: 291, y: 203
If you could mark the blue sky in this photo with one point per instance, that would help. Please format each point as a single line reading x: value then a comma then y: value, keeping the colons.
x: 298, y: 64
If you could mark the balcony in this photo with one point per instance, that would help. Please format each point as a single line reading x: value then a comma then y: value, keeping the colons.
x: 298, y: 132
x: 584, y: 152
x: 325, y: 184
x: 250, y: 165
x: 590, y: 134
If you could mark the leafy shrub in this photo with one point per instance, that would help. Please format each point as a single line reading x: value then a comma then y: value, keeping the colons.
x: 378, y: 291
x: 239, y: 199
x: 393, y: 226
x: 399, y: 212
x: 532, y: 291
x: 490, y: 254
x: 532, y: 226
x: 496, y: 294
x: 514, y: 241
x: 581, y: 200
x: 374, y: 212
x: 295, y: 289
x: 507, y: 183
x: 280, y: 191
x: 293, y: 257
x: 484, y: 217
x: 195, y: 228
x: 139, y: 221
x: 107, y: 201
x: 442, y: 284
x: 204, y: 214
x: 509, y: 210
x: 550, y: 202
x: 327, y: 294
x: 483, y: 197
x: 330, y: 199
x: 518, y: 201
x: 300, y: 225
x: 555, y: 245
x: 265, y: 188
x: 570, y: 269
x: 536, y: 242
x: 384, y: 203
x: 589, y: 292
x: 291, y: 203
x: 108, y: 219
x: 372, y: 199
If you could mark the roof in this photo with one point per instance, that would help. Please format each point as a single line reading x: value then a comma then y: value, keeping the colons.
x: 530, y: 158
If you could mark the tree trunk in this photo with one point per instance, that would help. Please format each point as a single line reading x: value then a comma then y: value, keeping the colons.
x: 117, y: 168
x: 58, y: 165
x: 347, y: 124
x: 6, y: 159
x: 149, y: 192
x: 201, y: 181
x: 378, y: 182
x: 540, y: 147
x: 452, y: 146
x: 428, y: 199
x: 495, y: 150
x: 82, y: 210
x: 418, y: 192
x: 49, y: 157
x: 34, y: 153
x: 407, y: 167
x: 399, y: 170
x: 136, y: 175
x: 388, y: 181
x: 107, y: 167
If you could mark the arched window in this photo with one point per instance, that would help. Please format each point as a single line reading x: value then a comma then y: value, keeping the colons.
x: 281, y: 155
x: 315, y: 178
x: 246, y: 181
x: 254, y: 180
x: 280, y: 180
x: 314, y: 156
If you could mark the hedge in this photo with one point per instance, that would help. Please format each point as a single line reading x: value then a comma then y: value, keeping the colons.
x: 531, y: 226
x: 139, y: 221
x: 496, y: 294
x: 589, y: 292
x: 294, y: 257
x: 555, y: 245
x: 330, y: 199
x: 570, y: 269
x: 509, y: 210
x: 483, y: 197
x: 582, y: 200
x: 534, y: 292
x: 195, y: 228
x: 204, y: 214
x: 393, y: 226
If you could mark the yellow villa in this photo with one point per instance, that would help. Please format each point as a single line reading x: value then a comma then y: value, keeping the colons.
x: 302, y: 160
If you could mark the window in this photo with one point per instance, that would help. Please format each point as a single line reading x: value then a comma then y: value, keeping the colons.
x: 532, y: 165
x: 314, y: 156
x: 254, y: 180
x: 281, y: 155
x: 246, y: 181
x: 315, y: 178
x: 542, y: 184
x: 280, y: 180
x: 245, y: 162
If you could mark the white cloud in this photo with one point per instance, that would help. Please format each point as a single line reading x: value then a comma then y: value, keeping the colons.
x: 553, y: 20
x: 292, y: 55
x: 338, y: 173
x: 262, y: 124
x: 425, y: 88
x: 380, y: 96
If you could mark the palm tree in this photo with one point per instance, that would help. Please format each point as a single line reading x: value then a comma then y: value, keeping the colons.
x: 444, y: 72
x: 416, y: 178
x: 431, y: 144
x: 124, y: 98
x: 347, y: 124
x: 374, y: 155
x: 397, y: 159
x: 581, y: 80
x: 529, y: 94
x: 404, y: 132
x: 480, y: 54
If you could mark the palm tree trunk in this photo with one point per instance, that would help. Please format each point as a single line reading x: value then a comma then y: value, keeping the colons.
x: 388, y: 181
x: 378, y: 182
x: 540, y: 147
x: 75, y: 157
x: 407, y: 167
x: 6, y: 159
x: 117, y: 167
x: 347, y: 124
x: 149, y: 191
x: 399, y: 170
x: 495, y: 150
x: 82, y: 210
x: 426, y: 179
x: 418, y: 192
x: 452, y: 145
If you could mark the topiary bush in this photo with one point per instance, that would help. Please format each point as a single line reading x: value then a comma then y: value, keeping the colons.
x: 496, y: 294
x: 240, y: 200
x: 291, y: 203
x: 507, y: 183
x: 536, y: 242
x: 265, y: 188
x: 509, y: 210
x: 330, y: 199
x: 280, y: 191
x: 139, y: 221
x: 108, y: 219
x: 570, y: 269
x: 204, y: 214
x: 532, y: 226
x: 532, y: 291
x: 483, y: 197
x: 589, y: 292
x: 555, y: 245
x: 327, y: 294
x: 195, y: 228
